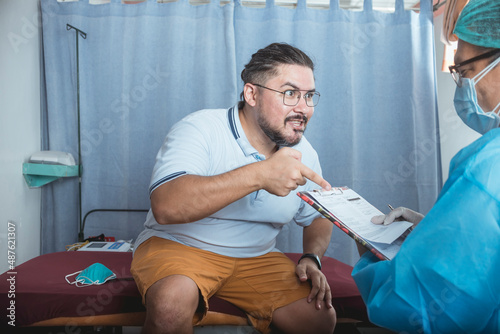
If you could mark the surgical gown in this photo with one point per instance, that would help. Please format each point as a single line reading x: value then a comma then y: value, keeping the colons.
x: 446, y: 277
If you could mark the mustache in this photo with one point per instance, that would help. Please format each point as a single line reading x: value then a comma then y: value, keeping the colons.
x: 302, y: 118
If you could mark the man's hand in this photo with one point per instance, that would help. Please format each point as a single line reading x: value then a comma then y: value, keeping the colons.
x: 284, y: 172
x: 307, y: 269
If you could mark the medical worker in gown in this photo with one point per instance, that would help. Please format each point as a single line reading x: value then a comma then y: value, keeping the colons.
x: 446, y: 277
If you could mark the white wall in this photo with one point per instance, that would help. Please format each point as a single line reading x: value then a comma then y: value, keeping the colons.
x: 19, y: 126
x: 20, y: 123
x: 454, y: 133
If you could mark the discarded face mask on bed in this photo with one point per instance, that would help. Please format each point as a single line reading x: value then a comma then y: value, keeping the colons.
x: 95, y: 274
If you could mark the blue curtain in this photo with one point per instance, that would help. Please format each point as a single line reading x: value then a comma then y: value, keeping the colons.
x: 143, y: 67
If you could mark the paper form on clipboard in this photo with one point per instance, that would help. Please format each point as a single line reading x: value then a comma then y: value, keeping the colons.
x: 352, y: 213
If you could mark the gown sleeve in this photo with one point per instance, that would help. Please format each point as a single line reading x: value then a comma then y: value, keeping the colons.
x: 446, y: 277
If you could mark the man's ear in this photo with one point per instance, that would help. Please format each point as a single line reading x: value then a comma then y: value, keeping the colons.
x: 250, y: 94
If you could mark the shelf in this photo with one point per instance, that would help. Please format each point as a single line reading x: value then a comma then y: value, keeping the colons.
x: 38, y: 175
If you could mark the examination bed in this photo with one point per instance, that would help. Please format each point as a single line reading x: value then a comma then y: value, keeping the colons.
x: 42, y: 297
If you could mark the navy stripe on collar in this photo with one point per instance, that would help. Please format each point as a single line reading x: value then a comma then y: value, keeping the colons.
x: 232, y: 123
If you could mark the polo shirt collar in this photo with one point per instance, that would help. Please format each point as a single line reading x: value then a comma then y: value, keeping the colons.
x: 239, y: 135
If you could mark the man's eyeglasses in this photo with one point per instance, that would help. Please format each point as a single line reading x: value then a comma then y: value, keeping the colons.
x: 291, y: 97
x: 455, y: 73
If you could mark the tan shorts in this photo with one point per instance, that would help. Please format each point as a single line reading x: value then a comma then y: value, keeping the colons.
x: 256, y: 285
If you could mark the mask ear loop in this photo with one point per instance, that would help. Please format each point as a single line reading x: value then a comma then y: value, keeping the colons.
x: 497, y: 108
x: 488, y: 68
x: 481, y: 75
x: 73, y: 274
x: 80, y: 284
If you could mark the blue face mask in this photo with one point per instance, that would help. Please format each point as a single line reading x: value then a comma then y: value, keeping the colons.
x: 96, y: 274
x: 468, y: 108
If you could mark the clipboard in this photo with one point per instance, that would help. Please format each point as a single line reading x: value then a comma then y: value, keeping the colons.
x: 350, y: 212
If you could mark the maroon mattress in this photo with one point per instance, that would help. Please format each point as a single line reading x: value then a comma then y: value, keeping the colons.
x: 40, y: 292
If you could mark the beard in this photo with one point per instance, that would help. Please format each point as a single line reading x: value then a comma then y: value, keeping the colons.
x: 278, y: 137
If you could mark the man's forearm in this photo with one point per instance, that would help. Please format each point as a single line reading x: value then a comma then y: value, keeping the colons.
x: 191, y: 197
x: 316, y: 237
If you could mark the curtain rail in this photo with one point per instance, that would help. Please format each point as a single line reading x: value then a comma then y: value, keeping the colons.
x: 293, y: 4
x: 283, y: 3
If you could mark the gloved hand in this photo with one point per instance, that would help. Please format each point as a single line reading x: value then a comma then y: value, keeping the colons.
x: 398, y: 214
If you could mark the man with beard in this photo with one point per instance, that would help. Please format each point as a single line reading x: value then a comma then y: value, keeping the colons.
x: 221, y: 191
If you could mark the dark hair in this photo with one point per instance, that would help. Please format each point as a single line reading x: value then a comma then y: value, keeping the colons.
x: 264, y: 64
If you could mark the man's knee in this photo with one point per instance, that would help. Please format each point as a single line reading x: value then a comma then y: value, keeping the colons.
x: 322, y: 321
x: 172, y: 302
x: 303, y: 317
x: 327, y: 321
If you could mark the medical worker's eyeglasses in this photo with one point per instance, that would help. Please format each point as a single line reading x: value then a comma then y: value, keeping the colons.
x: 455, y: 73
x: 291, y: 97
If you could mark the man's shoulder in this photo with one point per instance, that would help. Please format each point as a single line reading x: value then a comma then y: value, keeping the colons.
x: 204, y: 120
x: 205, y: 114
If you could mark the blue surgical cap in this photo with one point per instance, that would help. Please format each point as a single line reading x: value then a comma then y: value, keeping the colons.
x: 479, y: 23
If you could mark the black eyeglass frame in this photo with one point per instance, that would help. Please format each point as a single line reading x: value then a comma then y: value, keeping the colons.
x: 454, y: 68
x: 294, y: 90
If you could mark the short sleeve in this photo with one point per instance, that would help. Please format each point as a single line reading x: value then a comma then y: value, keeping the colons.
x: 184, y: 151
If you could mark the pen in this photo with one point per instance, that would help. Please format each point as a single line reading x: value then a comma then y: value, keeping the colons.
x: 390, y: 207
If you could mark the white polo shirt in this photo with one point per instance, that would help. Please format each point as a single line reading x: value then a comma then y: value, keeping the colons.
x: 212, y: 142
